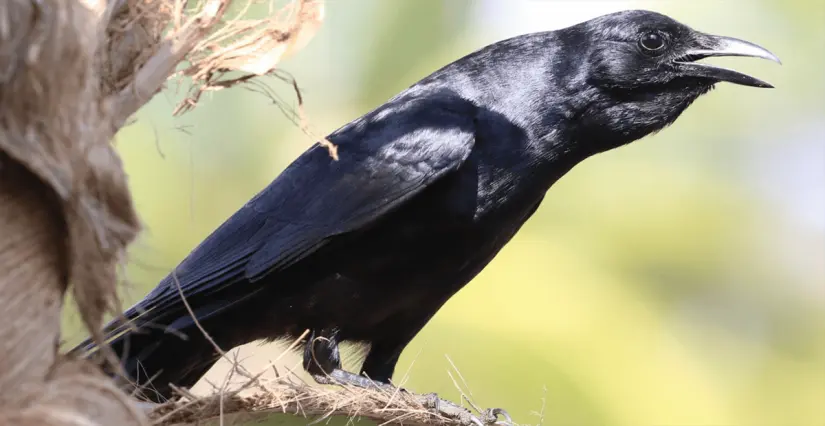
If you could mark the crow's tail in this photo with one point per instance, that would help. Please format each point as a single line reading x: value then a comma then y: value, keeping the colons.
x: 153, y: 352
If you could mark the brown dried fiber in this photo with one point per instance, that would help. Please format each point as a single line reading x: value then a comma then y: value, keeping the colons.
x: 71, y: 73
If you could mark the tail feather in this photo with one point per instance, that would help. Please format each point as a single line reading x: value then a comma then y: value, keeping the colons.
x: 152, y: 355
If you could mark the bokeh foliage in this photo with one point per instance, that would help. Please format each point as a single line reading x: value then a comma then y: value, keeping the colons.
x: 655, y: 286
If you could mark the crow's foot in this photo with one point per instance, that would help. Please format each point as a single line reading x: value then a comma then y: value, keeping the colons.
x: 431, y: 401
x: 450, y: 409
x: 491, y: 416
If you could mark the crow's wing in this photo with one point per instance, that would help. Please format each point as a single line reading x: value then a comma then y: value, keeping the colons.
x: 385, y: 158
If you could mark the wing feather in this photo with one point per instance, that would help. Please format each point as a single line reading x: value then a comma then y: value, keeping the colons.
x: 385, y: 158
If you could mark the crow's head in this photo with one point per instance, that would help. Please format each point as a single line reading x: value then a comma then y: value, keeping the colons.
x: 641, y: 49
x: 642, y: 72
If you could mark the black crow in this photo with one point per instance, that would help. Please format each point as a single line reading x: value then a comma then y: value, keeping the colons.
x: 428, y: 187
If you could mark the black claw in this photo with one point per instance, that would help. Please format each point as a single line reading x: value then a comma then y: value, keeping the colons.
x: 491, y: 417
x: 322, y: 379
x: 495, y: 412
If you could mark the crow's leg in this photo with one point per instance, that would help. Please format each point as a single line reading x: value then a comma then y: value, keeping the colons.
x: 321, y: 355
x: 322, y: 360
x: 431, y: 401
x: 379, y: 367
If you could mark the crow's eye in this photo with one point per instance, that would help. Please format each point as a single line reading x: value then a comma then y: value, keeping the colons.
x: 652, y: 42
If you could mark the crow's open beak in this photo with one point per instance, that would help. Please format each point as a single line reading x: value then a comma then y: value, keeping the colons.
x: 710, y: 45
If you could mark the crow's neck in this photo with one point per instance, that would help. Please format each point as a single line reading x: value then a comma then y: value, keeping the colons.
x: 534, y: 101
x: 537, y: 93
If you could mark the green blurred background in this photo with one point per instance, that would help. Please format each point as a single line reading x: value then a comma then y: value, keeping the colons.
x: 676, y: 281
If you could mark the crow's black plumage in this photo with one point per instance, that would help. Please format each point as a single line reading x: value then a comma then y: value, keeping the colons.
x: 428, y: 188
